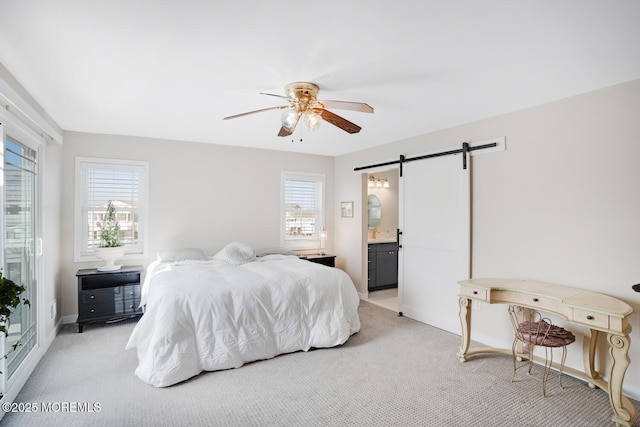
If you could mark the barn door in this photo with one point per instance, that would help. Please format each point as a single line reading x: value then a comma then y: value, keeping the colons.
x: 435, y: 223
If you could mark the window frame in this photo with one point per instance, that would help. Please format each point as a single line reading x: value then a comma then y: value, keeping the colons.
x: 82, y: 252
x: 310, y: 242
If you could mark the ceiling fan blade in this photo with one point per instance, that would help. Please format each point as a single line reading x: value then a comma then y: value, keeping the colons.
x: 347, y: 105
x: 284, y: 131
x: 340, y: 122
x: 255, y: 111
x: 272, y: 94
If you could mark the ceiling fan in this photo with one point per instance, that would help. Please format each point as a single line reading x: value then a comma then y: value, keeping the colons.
x: 303, y: 102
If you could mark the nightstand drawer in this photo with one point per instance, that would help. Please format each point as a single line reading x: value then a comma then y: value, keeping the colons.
x: 132, y: 306
x: 131, y: 299
x: 110, y: 280
x: 89, y: 311
x: 99, y: 296
x: 131, y: 292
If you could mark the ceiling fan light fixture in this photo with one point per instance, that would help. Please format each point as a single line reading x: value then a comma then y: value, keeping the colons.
x: 313, y: 120
x: 289, y: 119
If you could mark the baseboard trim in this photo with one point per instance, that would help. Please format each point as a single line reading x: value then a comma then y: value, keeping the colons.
x: 69, y: 319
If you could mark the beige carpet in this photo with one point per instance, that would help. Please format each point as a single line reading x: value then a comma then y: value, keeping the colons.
x: 394, y: 372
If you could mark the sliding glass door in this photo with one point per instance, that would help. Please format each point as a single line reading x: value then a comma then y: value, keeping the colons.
x: 19, y: 255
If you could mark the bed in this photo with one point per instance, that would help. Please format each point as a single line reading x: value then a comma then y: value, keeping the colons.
x: 204, y: 314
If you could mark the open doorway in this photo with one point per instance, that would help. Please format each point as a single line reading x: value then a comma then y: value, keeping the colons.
x: 382, y: 244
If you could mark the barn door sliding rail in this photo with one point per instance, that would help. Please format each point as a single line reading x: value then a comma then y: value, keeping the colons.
x: 466, y: 148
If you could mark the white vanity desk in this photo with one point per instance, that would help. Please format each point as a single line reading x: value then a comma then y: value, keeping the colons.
x: 595, y: 311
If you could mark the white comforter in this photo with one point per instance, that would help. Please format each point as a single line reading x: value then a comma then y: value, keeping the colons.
x: 211, y: 315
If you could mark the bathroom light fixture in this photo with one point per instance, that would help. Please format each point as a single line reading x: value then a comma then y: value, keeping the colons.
x: 378, y: 182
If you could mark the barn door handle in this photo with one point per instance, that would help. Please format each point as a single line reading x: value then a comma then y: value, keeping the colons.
x: 398, y: 234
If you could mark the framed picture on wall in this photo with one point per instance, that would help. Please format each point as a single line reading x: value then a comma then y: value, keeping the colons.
x: 346, y: 209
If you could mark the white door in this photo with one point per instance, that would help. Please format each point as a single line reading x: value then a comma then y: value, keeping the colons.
x: 435, y: 223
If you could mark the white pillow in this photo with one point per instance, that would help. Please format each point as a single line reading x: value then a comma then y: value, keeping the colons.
x: 273, y: 251
x: 182, y: 254
x: 236, y: 253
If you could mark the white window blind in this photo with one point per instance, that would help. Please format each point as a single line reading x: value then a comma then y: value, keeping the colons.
x: 302, y: 208
x: 125, y: 184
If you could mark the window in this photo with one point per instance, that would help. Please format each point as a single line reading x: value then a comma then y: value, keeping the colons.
x: 302, y: 214
x: 123, y: 182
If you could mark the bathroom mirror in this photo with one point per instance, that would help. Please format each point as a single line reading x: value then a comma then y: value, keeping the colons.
x: 375, y: 211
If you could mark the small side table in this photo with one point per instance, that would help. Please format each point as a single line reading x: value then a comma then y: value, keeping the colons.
x: 104, y: 295
x: 324, y: 259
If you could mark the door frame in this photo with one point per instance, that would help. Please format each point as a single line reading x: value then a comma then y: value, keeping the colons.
x: 9, y: 387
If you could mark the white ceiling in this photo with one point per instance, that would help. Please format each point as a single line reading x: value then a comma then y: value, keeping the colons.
x: 174, y: 69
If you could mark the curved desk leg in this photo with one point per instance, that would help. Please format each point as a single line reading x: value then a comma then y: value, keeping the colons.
x: 589, y: 354
x: 625, y: 413
x: 465, y: 322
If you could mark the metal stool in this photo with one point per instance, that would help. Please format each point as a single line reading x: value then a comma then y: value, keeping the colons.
x: 533, y: 331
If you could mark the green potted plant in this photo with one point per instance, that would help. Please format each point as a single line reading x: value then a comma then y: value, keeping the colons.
x: 9, y: 299
x: 112, y: 248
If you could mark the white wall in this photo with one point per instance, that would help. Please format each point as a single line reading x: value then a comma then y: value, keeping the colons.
x: 561, y: 204
x: 201, y: 195
x: 51, y: 236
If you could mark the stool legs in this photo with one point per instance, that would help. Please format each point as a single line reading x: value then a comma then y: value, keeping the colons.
x: 548, y: 363
x: 564, y: 358
x: 532, y: 331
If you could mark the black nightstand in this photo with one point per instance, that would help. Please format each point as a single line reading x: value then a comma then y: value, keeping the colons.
x: 324, y: 259
x: 104, y: 295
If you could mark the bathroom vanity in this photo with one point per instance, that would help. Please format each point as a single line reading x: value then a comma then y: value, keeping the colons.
x: 382, y: 265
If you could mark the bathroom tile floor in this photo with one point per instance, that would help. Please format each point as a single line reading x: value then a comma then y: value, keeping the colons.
x: 387, y: 298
